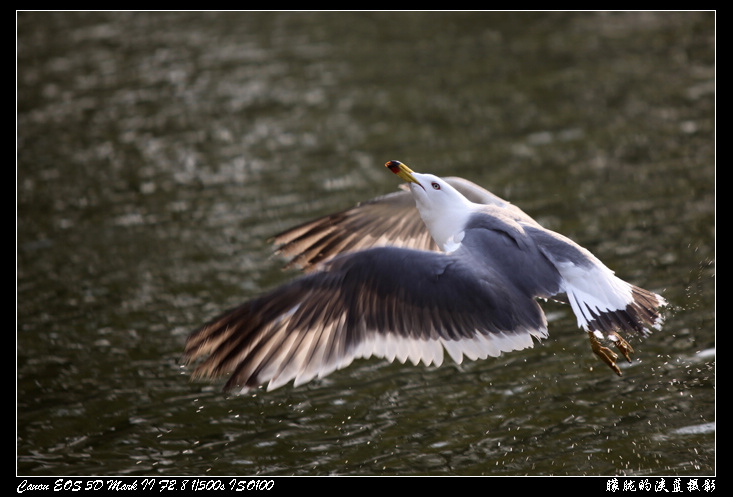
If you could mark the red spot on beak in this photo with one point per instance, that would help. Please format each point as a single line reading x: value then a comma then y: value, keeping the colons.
x: 394, y: 166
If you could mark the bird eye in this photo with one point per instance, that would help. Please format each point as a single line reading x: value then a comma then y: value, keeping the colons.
x: 436, y: 186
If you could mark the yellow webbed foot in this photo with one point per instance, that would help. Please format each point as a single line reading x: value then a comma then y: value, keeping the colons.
x: 606, y: 355
x: 623, y: 346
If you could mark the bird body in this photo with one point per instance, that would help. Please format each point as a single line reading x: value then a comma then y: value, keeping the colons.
x: 463, y: 277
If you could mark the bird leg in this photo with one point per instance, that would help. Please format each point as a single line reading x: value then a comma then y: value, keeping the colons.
x: 623, y: 346
x: 607, y: 355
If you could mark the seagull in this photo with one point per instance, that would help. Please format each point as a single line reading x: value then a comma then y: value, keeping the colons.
x: 440, y: 266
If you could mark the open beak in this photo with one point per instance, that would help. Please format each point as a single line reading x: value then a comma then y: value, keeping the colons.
x: 401, y: 170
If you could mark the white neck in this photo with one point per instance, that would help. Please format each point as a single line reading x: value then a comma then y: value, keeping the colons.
x: 445, y: 223
x: 446, y: 228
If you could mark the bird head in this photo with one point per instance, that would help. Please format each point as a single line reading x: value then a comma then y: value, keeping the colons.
x: 443, y: 209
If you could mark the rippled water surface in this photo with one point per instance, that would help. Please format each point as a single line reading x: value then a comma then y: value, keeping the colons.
x: 157, y: 152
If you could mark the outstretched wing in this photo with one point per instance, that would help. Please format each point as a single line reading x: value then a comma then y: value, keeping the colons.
x: 389, y: 220
x: 386, y: 302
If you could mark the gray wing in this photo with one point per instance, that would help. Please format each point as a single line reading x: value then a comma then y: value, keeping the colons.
x: 387, y: 302
x: 389, y: 220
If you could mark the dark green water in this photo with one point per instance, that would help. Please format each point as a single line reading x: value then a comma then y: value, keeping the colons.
x: 156, y: 153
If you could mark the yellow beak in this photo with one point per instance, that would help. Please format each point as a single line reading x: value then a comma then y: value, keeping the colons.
x: 401, y: 170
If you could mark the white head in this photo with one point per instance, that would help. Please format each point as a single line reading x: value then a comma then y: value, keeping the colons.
x: 442, y: 208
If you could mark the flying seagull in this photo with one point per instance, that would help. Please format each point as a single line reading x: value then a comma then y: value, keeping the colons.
x: 440, y: 266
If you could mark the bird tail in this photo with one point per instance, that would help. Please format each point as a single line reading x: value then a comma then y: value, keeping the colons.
x: 604, y: 303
